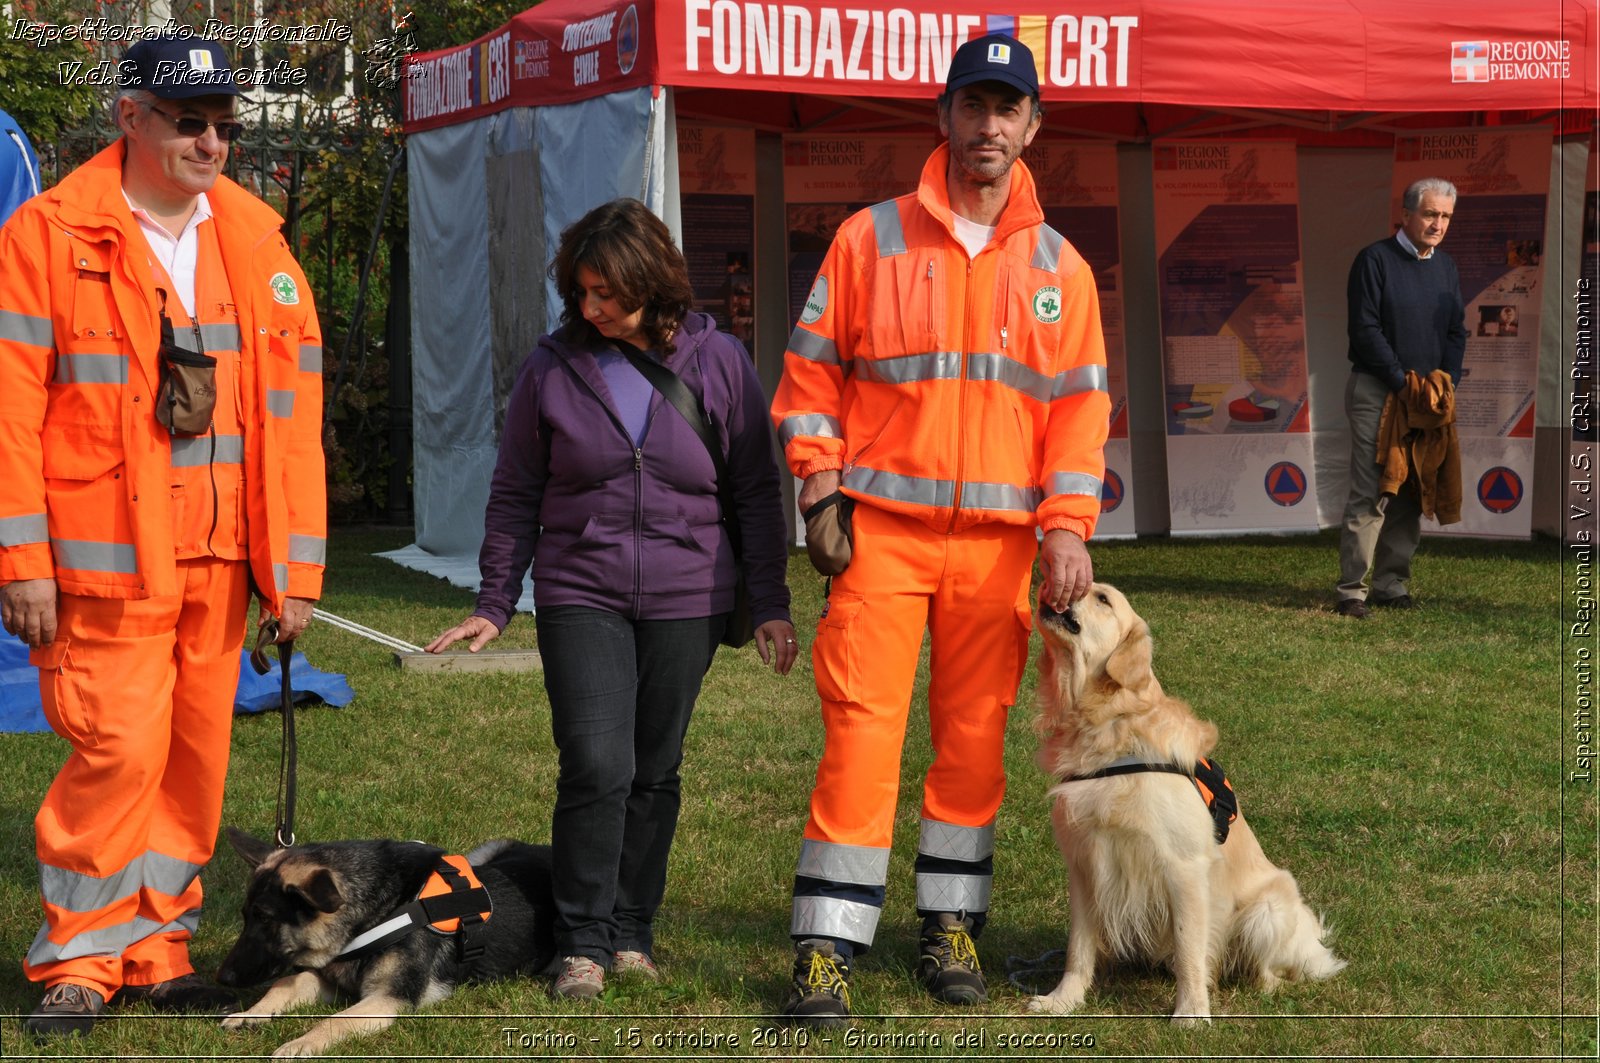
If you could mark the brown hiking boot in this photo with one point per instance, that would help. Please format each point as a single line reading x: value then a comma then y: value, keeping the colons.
x: 67, y: 1010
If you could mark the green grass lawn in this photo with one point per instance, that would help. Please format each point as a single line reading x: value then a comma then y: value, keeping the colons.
x: 1408, y: 769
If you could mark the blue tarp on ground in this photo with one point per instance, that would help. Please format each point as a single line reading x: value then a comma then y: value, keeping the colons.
x: 19, y: 687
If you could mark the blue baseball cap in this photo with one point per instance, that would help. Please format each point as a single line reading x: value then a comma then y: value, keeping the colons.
x: 177, y: 67
x: 994, y: 57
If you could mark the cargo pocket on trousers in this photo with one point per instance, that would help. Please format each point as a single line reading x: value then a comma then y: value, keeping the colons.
x: 63, y: 704
x: 836, y: 657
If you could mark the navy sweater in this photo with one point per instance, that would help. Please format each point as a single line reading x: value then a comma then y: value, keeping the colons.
x: 1405, y: 313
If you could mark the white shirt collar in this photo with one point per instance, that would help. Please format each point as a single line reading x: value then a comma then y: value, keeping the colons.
x: 1411, y: 248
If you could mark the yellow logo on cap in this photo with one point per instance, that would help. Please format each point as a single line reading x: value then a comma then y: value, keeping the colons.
x: 200, y: 59
x: 1000, y: 53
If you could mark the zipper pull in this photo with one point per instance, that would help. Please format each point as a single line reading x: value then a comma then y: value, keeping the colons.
x: 638, y: 459
x: 930, y: 269
x: 1002, y: 337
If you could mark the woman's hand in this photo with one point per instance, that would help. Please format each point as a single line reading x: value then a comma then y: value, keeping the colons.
x: 476, y: 628
x: 776, y: 643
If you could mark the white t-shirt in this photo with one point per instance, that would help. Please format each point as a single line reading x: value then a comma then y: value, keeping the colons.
x: 973, y: 237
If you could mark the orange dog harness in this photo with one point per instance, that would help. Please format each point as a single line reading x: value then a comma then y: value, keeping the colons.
x: 452, y: 901
x: 1208, y: 778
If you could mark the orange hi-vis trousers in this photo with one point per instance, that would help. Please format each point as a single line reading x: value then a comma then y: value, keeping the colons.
x: 143, y: 689
x: 969, y: 590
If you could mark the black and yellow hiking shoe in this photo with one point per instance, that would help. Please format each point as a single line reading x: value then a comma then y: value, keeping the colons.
x: 820, y: 992
x: 949, y: 962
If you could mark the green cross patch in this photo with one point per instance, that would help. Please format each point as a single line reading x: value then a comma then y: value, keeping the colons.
x: 284, y: 289
x: 1047, y: 304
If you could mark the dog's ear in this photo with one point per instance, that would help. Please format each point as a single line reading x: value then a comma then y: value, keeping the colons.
x: 251, y: 848
x: 320, y: 890
x: 1129, y: 665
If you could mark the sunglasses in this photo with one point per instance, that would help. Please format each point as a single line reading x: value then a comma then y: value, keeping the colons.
x: 227, y: 132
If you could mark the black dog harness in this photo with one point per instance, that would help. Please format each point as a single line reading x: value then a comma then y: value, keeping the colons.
x: 1208, y: 778
x: 452, y: 901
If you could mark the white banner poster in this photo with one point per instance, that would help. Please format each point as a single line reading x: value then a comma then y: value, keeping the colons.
x: 1077, y: 185
x: 1502, y: 179
x: 1233, y: 336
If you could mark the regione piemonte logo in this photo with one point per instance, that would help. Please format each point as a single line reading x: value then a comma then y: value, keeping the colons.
x: 1469, y: 60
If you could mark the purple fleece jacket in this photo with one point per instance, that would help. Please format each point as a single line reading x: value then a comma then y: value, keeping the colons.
x: 634, y: 531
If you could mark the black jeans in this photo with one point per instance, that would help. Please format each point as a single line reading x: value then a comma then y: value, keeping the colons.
x: 621, y: 692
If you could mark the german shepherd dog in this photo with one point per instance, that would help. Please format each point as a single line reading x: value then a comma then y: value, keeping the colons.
x: 307, y: 904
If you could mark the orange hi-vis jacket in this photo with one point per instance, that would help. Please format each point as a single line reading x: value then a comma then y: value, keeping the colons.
x: 86, y: 486
x: 956, y: 390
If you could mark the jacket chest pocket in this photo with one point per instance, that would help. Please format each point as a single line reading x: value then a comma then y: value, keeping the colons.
x: 95, y: 322
x: 909, y: 306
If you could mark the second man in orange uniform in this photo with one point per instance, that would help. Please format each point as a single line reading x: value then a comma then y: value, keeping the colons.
x: 948, y: 375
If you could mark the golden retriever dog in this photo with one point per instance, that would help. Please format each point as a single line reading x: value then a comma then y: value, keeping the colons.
x: 1147, y: 876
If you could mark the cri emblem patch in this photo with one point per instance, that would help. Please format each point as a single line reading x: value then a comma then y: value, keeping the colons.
x: 284, y: 289
x: 1047, y: 304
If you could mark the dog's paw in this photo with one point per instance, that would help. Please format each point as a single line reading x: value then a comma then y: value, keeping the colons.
x: 242, y: 1019
x: 1191, y: 1022
x: 299, y: 1048
x: 1053, y: 1005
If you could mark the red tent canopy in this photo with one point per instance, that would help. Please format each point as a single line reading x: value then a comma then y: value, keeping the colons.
x: 1336, y: 71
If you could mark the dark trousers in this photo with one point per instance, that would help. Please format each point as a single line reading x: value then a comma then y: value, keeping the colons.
x: 621, y: 692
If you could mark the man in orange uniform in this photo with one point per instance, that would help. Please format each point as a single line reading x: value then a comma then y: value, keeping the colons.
x: 948, y: 375
x: 132, y: 536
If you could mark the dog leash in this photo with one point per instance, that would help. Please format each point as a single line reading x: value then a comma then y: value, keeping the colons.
x: 283, y: 833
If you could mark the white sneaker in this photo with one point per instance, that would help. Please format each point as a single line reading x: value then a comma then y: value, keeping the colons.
x: 631, y: 964
x: 581, y: 978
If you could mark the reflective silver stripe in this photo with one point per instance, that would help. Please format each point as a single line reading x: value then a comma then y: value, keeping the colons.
x: 861, y: 864
x: 895, y: 487
x: 910, y: 368
x: 953, y: 893
x: 308, y: 549
x: 25, y: 328
x: 818, y: 425
x: 24, y: 531
x: 1047, y: 252
x: 886, y: 227
x: 190, y: 451
x: 280, y: 403
x: 1000, y: 497
x: 106, y: 941
x: 87, y: 556
x: 77, y: 892
x: 999, y: 369
x: 91, y: 369
x: 1077, y: 381
x: 280, y: 578
x: 310, y: 358
x: 1074, y: 483
x: 941, y: 494
x: 833, y: 917
x: 950, y: 842
x: 222, y: 336
x: 813, y: 347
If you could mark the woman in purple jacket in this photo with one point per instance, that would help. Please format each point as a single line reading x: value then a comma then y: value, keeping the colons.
x: 607, y: 489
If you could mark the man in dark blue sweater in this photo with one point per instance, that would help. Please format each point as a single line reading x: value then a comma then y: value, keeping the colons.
x: 1406, y: 313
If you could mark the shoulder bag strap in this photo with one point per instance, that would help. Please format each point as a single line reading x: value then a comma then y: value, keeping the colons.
x: 677, y: 393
